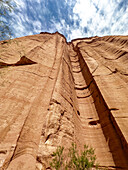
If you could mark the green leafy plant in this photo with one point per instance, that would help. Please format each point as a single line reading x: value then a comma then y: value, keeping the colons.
x: 57, y: 161
x: 75, y: 161
x: 6, y: 7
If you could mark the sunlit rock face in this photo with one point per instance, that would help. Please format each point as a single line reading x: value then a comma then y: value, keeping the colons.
x: 54, y: 93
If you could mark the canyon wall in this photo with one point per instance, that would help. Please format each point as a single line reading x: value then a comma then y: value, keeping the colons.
x: 53, y: 93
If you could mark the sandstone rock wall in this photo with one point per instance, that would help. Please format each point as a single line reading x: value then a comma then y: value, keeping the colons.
x: 54, y: 93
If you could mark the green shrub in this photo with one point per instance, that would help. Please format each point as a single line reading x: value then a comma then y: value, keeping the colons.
x: 57, y: 161
x: 75, y: 161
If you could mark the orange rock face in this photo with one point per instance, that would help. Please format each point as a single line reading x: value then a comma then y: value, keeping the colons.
x: 54, y: 93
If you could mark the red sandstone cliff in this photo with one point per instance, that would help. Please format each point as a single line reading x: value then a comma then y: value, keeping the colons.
x: 55, y: 93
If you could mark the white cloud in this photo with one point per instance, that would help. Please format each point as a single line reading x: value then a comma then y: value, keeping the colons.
x: 20, y: 3
x: 77, y: 32
x: 37, y: 26
x: 101, y: 17
x: 82, y: 17
x: 85, y: 10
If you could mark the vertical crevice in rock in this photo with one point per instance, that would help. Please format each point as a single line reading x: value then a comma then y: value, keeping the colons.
x: 58, y: 129
x: 103, y: 114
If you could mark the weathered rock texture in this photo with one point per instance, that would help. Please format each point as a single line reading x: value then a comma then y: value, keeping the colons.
x: 55, y: 93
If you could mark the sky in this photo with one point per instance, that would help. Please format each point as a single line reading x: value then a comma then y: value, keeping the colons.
x: 72, y: 18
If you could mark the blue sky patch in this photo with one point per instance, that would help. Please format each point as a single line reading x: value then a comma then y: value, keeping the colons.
x: 73, y: 18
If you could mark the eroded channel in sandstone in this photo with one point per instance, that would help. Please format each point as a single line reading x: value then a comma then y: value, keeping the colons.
x: 97, y: 127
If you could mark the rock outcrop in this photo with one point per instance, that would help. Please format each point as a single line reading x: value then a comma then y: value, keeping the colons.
x: 54, y: 93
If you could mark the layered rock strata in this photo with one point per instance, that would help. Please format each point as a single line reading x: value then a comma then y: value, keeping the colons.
x: 54, y: 93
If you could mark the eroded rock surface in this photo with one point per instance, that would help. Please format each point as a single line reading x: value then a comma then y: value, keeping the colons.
x: 54, y: 93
